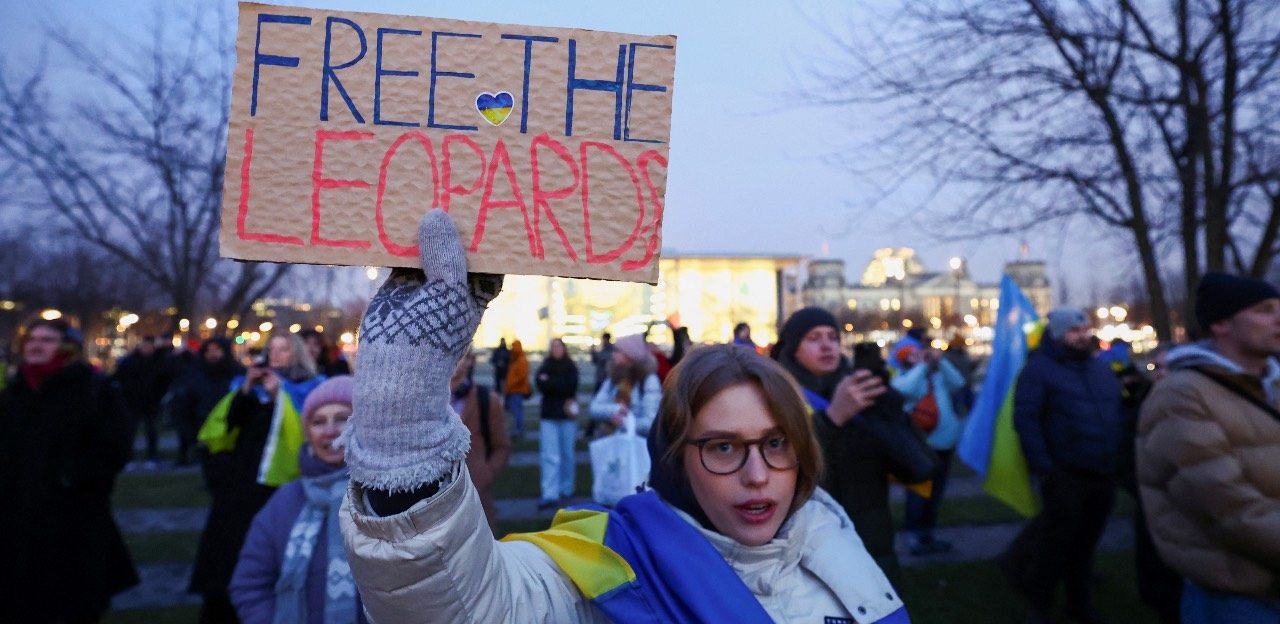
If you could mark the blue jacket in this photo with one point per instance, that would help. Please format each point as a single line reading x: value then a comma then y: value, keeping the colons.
x: 945, y: 381
x: 262, y: 558
x: 1067, y: 412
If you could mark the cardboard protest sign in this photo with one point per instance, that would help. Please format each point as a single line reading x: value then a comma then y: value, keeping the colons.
x: 548, y: 146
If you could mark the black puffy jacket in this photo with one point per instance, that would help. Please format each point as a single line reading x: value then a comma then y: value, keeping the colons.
x: 1067, y: 411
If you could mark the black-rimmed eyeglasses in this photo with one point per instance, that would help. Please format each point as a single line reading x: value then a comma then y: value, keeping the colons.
x: 725, y: 456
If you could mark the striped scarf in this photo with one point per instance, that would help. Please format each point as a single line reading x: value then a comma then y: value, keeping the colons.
x: 320, y: 513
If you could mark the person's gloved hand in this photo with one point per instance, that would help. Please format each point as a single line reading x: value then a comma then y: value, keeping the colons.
x: 403, y: 431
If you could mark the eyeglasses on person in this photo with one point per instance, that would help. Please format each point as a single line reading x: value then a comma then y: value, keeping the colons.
x: 725, y: 456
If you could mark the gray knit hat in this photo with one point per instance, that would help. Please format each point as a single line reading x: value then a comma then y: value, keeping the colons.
x: 1061, y: 320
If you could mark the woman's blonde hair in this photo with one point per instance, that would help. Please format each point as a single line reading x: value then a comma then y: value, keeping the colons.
x: 705, y: 372
x: 300, y: 365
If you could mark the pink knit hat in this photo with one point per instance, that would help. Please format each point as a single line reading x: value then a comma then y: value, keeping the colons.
x: 635, y: 348
x: 333, y: 390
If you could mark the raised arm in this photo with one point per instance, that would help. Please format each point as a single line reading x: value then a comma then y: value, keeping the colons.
x: 417, y: 539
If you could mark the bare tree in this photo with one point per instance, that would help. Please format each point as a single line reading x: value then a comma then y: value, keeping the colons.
x: 135, y: 167
x: 1156, y: 121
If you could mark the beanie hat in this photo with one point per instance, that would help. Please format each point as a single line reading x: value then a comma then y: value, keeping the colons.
x: 1061, y: 320
x: 799, y: 324
x: 333, y: 390
x: 634, y: 347
x: 1220, y: 296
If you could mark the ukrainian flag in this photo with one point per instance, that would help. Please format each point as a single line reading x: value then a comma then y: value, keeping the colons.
x: 990, y: 444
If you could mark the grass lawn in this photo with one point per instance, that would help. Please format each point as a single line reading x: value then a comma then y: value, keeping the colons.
x: 977, y: 592
x: 184, y: 614
x: 522, y: 482
x: 159, y: 489
x: 162, y: 547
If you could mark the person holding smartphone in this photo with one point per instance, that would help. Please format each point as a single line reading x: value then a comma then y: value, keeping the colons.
x: 275, y: 386
x: 864, y: 433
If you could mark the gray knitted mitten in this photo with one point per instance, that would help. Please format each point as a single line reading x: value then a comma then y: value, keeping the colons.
x: 403, y: 431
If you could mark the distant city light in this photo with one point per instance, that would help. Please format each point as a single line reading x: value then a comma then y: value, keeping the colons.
x: 128, y: 319
x: 51, y: 314
x: 347, y: 338
x: 295, y: 328
x: 184, y: 324
x: 211, y: 323
x: 1103, y: 313
x: 265, y: 327
x: 233, y: 323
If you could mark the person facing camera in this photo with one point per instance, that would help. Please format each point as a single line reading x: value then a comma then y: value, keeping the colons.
x: 293, y: 567
x: 734, y: 529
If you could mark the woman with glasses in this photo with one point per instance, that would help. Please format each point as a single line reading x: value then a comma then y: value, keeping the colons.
x: 734, y: 528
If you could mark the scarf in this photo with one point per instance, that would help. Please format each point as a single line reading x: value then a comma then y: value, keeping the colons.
x: 641, y: 562
x: 320, y: 512
x: 36, y: 374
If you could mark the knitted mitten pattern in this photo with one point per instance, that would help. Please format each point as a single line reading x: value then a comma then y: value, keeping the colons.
x: 403, y: 432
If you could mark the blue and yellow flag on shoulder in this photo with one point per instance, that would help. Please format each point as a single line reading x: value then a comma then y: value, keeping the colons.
x: 990, y: 444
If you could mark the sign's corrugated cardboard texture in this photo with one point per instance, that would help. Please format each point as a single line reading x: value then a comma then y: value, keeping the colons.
x: 548, y: 146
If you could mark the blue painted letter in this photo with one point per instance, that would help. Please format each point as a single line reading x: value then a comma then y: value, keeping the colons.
x: 260, y: 59
x: 331, y: 71
x: 379, y: 73
x: 633, y: 86
x: 431, y: 105
x: 528, y: 60
x: 576, y: 83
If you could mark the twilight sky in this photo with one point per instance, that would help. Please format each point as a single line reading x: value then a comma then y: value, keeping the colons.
x: 747, y: 172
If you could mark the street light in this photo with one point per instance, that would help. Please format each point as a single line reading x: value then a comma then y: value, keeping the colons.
x: 51, y: 314
x: 184, y: 324
x: 265, y: 327
x: 211, y: 323
x: 128, y: 319
x: 295, y: 328
x: 1119, y: 313
x: 233, y: 323
x: 1103, y: 313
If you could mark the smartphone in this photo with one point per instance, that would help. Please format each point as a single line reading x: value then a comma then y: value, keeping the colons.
x: 867, y: 356
x: 259, y: 359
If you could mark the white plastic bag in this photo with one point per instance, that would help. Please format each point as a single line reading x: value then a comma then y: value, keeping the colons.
x: 619, y: 464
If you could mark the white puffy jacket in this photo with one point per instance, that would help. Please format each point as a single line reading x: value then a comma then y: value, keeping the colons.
x: 438, y: 562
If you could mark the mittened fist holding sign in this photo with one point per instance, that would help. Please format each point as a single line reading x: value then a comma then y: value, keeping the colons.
x: 403, y: 432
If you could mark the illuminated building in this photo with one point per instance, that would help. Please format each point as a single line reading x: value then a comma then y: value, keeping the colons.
x: 709, y: 294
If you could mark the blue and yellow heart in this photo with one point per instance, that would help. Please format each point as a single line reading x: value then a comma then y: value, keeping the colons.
x: 495, y: 107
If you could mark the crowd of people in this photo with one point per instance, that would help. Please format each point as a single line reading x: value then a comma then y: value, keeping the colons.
x: 341, y: 498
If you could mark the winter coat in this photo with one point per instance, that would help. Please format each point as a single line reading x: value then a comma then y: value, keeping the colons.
x: 1209, y: 473
x: 143, y: 380
x: 860, y: 457
x: 61, y: 448
x: 200, y: 388
x: 253, y: 585
x: 486, y: 464
x: 235, y: 494
x: 645, y: 399
x: 1066, y: 409
x: 557, y: 380
x: 518, y: 373
x: 944, y: 381
x: 435, y: 563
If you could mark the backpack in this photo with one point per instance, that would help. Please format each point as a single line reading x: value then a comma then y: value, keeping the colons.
x: 925, y: 413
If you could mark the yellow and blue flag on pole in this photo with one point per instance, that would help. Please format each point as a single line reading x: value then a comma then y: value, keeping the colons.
x: 990, y: 444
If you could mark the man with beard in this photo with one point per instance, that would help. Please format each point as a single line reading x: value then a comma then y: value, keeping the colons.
x: 204, y: 383
x: 1208, y: 439
x: 1067, y: 411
